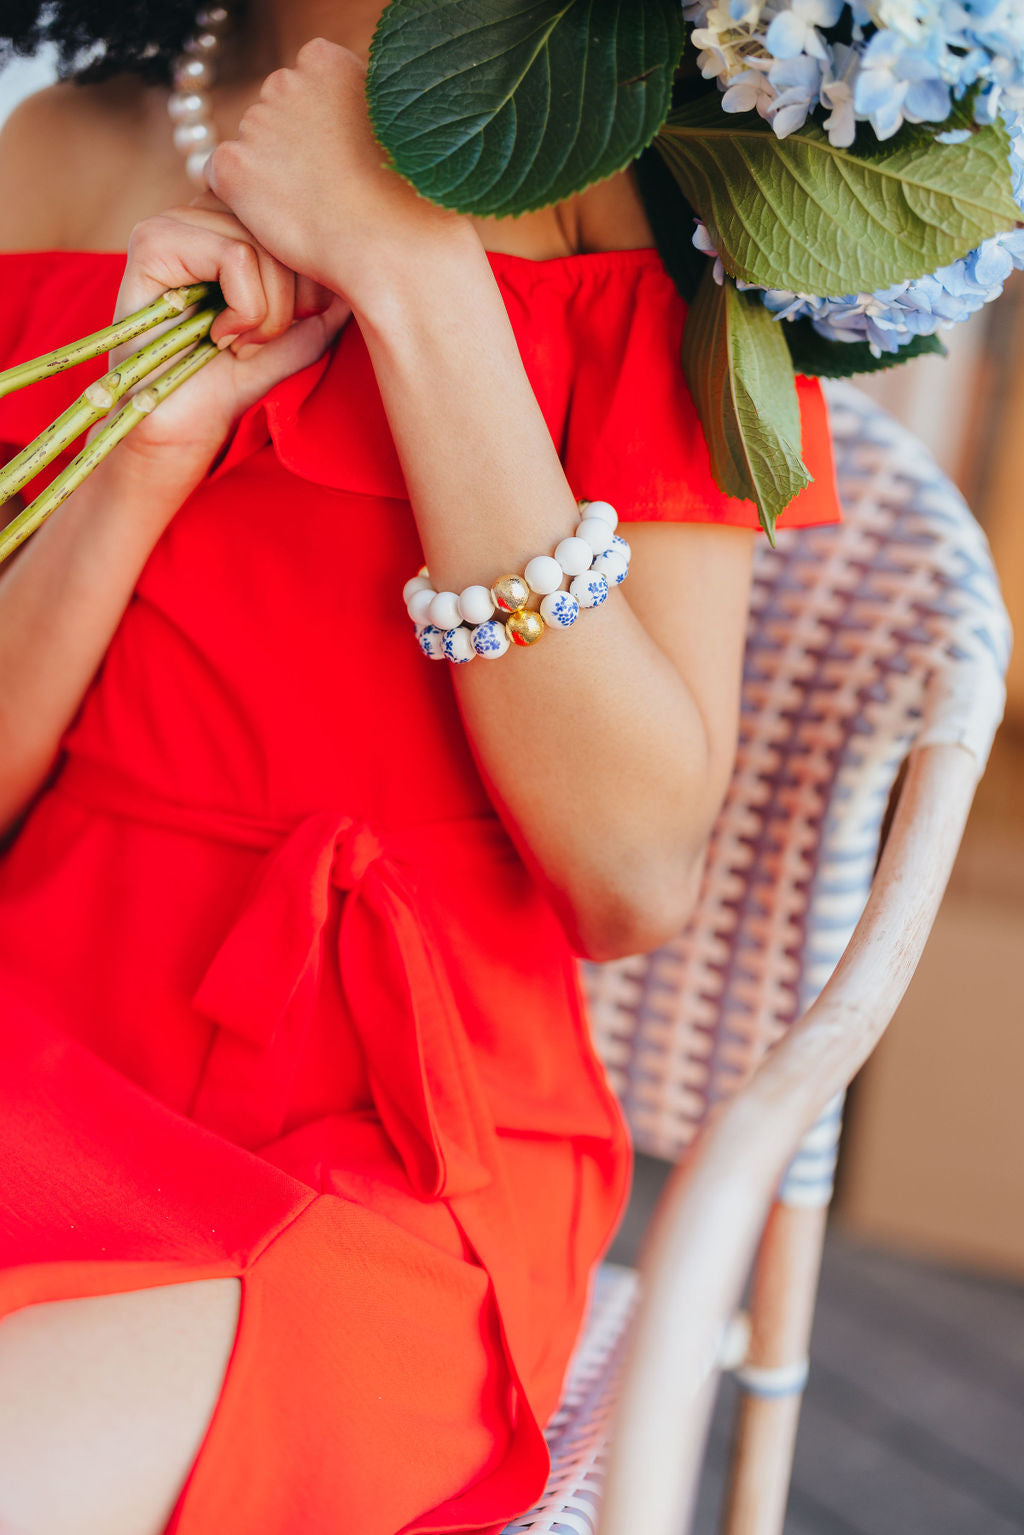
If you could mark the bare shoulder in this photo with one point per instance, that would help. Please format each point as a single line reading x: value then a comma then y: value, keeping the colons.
x: 66, y: 154
x: 610, y: 215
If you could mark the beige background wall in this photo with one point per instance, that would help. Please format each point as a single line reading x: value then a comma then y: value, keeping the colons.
x: 933, y: 1150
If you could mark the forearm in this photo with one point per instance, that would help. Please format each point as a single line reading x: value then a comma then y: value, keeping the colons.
x: 591, y: 743
x: 61, y: 599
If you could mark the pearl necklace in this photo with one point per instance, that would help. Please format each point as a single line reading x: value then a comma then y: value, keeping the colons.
x: 194, y: 72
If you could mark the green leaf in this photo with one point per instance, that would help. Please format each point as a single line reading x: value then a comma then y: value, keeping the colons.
x: 797, y: 214
x: 497, y: 107
x: 817, y: 357
x: 738, y: 369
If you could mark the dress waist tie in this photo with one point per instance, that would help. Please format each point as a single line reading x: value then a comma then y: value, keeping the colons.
x: 261, y: 984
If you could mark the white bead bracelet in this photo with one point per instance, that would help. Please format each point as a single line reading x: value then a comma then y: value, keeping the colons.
x: 486, y: 620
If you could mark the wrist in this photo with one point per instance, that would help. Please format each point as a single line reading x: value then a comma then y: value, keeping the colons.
x: 434, y: 274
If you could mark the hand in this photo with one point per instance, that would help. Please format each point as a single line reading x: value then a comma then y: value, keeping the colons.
x: 282, y: 323
x: 307, y: 176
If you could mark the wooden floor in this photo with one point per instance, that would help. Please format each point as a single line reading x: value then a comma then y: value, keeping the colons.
x: 913, y: 1417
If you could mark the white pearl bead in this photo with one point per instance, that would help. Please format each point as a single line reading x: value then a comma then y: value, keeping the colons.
x: 413, y: 585
x: 212, y: 17
x: 187, y: 106
x: 190, y: 73
x: 444, y: 610
x: 543, y: 575
x: 559, y: 610
x: 619, y: 543
x: 491, y: 640
x: 574, y: 556
x: 419, y: 604
x: 195, y: 166
x: 431, y: 641
x: 458, y: 645
x: 195, y: 135
x: 604, y: 510
x: 613, y: 566
x: 203, y: 44
x: 595, y: 532
x: 590, y: 590
x: 476, y: 604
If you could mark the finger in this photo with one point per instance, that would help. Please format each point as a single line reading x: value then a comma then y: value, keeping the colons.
x: 311, y: 297
x: 238, y: 270
x: 279, y: 289
x: 183, y: 245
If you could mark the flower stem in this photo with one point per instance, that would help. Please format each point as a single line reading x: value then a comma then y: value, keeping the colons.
x: 136, y: 410
x: 173, y: 302
x: 99, y: 398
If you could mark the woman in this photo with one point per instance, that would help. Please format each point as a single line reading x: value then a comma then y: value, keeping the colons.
x: 308, y: 1157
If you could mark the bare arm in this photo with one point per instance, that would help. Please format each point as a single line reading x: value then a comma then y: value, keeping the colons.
x: 64, y: 592
x: 606, y: 750
x: 61, y: 599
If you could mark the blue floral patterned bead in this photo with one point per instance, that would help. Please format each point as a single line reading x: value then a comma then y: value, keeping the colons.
x: 490, y: 640
x: 612, y: 565
x: 620, y: 544
x: 431, y: 641
x: 559, y: 610
x: 458, y: 645
x: 590, y: 589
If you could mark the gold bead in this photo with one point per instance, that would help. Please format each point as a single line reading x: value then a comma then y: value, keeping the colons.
x: 525, y: 627
x: 509, y: 593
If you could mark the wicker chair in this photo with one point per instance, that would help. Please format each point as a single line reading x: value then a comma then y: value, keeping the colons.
x: 874, y: 647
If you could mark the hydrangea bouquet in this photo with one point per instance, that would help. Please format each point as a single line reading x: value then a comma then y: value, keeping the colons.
x: 846, y: 179
x: 829, y: 184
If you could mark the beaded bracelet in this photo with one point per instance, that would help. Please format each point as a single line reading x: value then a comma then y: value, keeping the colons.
x: 485, y: 621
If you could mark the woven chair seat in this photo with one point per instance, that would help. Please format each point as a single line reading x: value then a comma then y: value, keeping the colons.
x: 578, y: 1433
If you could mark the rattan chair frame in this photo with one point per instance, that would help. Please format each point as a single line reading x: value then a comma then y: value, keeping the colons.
x: 876, y: 656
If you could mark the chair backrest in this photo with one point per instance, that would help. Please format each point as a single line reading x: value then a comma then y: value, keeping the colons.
x: 864, y: 638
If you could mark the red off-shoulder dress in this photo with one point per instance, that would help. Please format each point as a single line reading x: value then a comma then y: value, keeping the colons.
x: 278, y: 998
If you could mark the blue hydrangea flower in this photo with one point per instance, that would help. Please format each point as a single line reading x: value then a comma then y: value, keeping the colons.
x: 911, y: 59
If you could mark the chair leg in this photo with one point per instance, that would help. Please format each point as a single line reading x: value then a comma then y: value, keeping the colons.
x: 771, y: 1378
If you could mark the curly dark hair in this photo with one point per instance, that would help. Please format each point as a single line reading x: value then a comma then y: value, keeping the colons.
x: 97, y: 38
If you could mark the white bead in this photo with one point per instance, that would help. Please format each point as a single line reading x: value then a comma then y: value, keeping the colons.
x: 590, y: 589
x: 192, y: 73
x: 574, y: 556
x: 543, y: 575
x: 195, y: 165
x: 431, y: 641
x: 458, y: 645
x: 444, y: 610
x: 419, y: 605
x: 187, y: 106
x: 476, y: 604
x: 203, y: 44
x: 612, y: 565
x: 491, y: 640
x: 619, y: 543
x: 413, y: 585
x: 195, y: 135
x: 560, y: 610
x: 595, y: 532
x: 602, y: 509
x: 212, y: 17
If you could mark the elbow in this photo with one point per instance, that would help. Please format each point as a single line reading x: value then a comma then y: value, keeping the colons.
x: 639, y: 917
